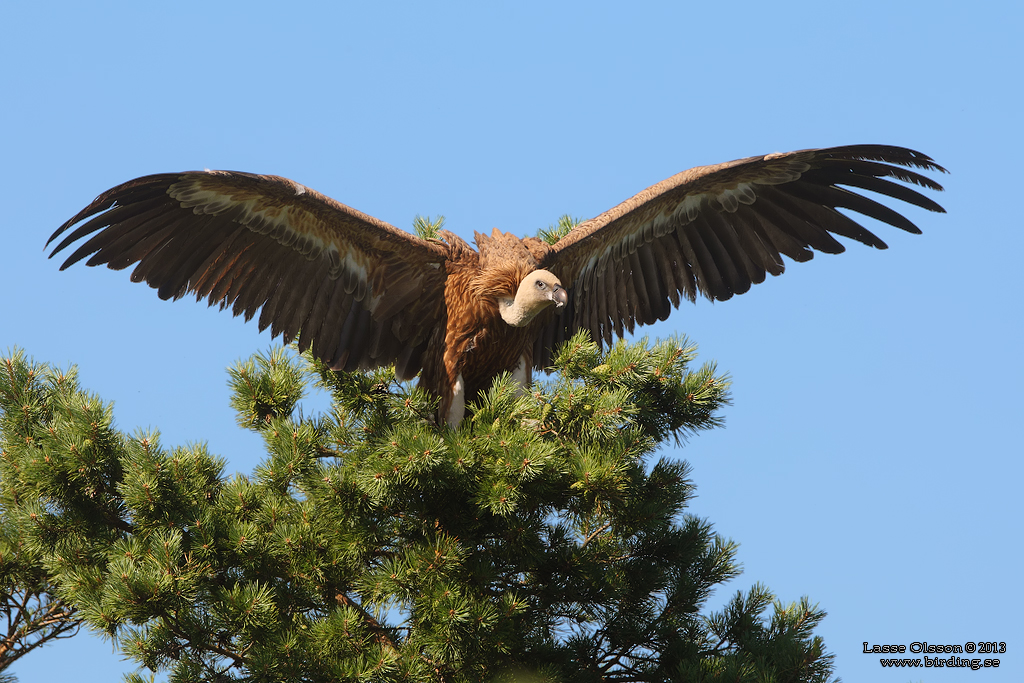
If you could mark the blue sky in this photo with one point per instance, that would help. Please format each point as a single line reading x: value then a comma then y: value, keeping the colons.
x: 872, y: 458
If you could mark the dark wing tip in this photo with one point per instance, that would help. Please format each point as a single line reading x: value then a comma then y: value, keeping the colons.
x: 141, y: 188
x: 901, y: 156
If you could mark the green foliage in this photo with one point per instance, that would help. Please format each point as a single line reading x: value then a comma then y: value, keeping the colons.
x: 34, y: 614
x: 264, y: 387
x: 541, y: 540
x: 427, y: 228
x: 553, y: 233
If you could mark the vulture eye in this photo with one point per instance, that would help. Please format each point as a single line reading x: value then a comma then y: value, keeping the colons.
x: 540, y: 285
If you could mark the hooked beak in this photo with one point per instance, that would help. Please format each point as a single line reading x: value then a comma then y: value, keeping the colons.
x: 559, y: 296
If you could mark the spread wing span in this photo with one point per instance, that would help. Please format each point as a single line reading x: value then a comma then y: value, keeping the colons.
x: 362, y: 292
x: 716, y: 230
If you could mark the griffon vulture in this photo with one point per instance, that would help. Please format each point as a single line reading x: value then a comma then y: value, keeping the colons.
x: 361, y: 293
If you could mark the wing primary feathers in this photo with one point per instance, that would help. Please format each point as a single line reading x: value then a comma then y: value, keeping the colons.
x: 122, y: 249
x: 728, y: 279
x: 105, y: 237
x: 765, y: 224
x: 868, y: 175
x: 170, y: 269
x: 837, y: 197
x: 783, y: 209
x: 142, y: 191
x: 762, y: 256
x: 891, y: 155
x: 149, y: 253
x: 826, y: 220
x: 732, y: 257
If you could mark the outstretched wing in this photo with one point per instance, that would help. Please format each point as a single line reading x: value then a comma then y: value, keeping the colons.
x: 359, y: 292
x: 716, y: 230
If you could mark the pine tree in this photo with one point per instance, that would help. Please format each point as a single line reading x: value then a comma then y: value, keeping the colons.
x: 34, y: 614
x: 539, y: 541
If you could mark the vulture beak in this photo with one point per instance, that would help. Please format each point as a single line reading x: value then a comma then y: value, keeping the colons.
x: 559, y: 296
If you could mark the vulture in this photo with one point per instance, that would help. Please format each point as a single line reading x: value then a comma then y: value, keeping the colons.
x: 360, y: 293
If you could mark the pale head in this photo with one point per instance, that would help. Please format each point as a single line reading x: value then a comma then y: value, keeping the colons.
x: 536, y: 292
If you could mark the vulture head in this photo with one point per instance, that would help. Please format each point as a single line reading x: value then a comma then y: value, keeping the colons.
x: 537, y: 291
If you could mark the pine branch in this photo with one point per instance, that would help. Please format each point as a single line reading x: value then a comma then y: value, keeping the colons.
x: 380, y: 634
x: 604, y: 527
x: 50, y: 620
